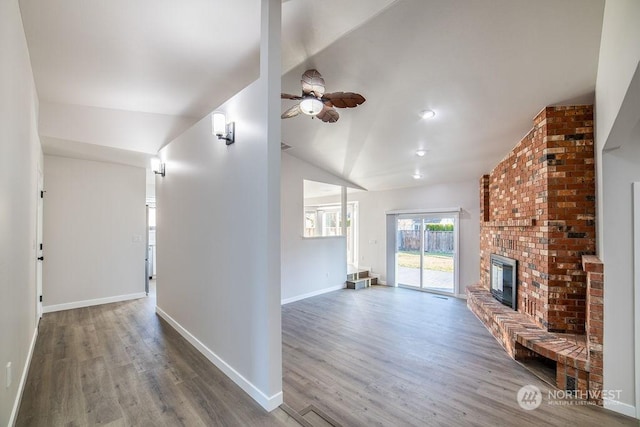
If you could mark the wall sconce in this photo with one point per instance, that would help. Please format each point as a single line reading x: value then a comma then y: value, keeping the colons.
x: 157, y: 166
x: 221, y: 129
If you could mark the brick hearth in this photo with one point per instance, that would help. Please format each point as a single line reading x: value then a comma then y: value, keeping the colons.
x: 538, y: 207
x: 523, y: 339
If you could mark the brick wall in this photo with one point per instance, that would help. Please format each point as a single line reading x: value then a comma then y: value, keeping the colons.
x: 538, y: 207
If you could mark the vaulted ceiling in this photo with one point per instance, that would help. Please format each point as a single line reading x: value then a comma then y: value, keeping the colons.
x: 119, y: 79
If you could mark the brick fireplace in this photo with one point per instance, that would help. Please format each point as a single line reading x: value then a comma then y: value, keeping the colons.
x: 538, y: 208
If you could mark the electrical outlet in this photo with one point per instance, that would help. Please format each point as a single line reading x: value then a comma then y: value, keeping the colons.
x: 9, y: 376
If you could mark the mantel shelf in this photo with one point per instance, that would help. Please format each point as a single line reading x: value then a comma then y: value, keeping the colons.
x: 528, y: 222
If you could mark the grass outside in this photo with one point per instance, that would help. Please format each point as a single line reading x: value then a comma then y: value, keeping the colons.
x: 437, y: 262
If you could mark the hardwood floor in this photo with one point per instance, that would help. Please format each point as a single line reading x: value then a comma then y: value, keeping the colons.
x: 396, y: 357
x: 121, y: 365
x: 377, y: 356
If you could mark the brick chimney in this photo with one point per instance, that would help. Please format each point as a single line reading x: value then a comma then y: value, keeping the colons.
x: 538, y: 207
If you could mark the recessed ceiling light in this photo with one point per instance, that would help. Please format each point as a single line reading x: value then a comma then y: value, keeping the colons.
x: 427, y: 114
x: 421, y: 152
x: 417, y: 175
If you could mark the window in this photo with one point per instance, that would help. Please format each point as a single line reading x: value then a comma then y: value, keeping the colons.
x: 322, y: 221
x: 323, y: 215
x: 322, y: 209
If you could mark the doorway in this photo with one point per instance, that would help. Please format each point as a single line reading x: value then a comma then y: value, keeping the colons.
x: 151, y: 239
x: 426, y: 252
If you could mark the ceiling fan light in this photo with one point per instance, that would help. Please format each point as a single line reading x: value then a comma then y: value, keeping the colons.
x: 428, y: 114
x: 421, y: 152
x: 311, y: 106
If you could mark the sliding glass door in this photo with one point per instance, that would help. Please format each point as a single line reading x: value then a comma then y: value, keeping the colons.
x: 409, y: 243
x: 426, y: 251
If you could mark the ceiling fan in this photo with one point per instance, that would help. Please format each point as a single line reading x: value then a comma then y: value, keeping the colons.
x: 314, y: 102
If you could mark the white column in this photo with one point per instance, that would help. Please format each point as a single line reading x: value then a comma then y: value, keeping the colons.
x: 271, y: 73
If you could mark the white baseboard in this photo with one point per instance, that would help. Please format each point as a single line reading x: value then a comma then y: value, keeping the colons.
x: 23, y: 379
x: 90, y: 302
x: 311, y: 294
x: 621, y: 408
x: 269, y: 403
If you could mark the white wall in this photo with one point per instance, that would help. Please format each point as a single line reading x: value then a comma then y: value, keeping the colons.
x: 617, y: 62
x: 20, y: 158
x: 622, y: 168
x: 618, y: 162
x: 94, y: 232
x: 309, y: 266
x: 218, y: 232
x: 373, y: 206
x: 212, y: 241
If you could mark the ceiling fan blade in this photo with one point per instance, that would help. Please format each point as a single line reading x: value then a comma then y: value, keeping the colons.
x: 328, y: 115
x: 291, y: 112
x: 343, y: 99
x: 289, y: 96
x: 312, y: 83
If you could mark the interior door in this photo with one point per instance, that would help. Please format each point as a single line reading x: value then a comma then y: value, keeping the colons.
x: 39, y: 244
x: 636, y: 260
x: 147, y: 271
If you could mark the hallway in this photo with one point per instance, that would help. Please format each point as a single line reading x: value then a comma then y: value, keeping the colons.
x: 121, y: 365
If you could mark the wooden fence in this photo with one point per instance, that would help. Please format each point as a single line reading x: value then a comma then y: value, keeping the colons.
x: 434, y: 241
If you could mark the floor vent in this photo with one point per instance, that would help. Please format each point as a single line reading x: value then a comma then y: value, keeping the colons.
x: 571, y: 383
x: 311, y: 416
x: 439, y: 297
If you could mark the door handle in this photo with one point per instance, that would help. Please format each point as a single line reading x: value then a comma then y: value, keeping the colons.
x: 40, y: 258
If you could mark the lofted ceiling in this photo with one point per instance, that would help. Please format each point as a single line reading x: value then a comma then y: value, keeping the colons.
x: 117, y: 80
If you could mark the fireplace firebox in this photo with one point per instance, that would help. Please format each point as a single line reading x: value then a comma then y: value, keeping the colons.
x: 504, y: 282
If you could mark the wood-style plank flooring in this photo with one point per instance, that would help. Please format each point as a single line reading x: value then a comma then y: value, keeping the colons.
x: 121, y: 365
x: 397, y: 357
x: 377, y: 356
